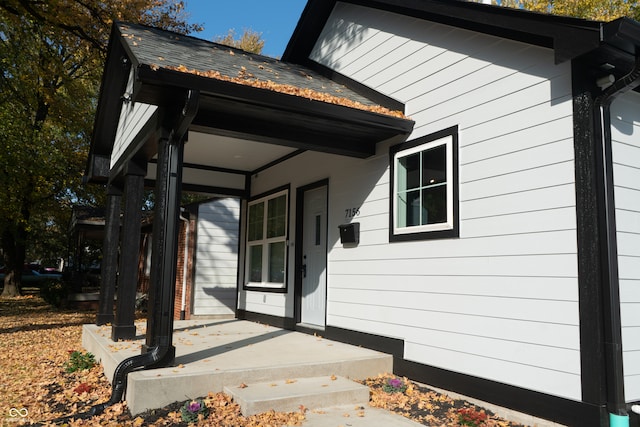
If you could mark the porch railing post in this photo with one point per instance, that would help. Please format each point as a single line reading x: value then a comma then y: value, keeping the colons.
x: 123, y: 326
x: 165, y: 246
x: 109, y: 264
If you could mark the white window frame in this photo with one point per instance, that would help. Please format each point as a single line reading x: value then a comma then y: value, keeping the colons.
x: 448, y: 228
x: 265, y: 243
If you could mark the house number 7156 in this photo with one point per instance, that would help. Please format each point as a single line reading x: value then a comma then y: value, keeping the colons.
x: 351, y: 212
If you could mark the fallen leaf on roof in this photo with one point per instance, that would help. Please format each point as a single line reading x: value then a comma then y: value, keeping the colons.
x: 289, y: 90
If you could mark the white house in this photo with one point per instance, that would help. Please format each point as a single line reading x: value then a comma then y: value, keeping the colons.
x: 489, y: 238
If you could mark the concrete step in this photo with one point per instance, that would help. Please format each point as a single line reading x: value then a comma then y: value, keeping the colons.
x: 289, y: 395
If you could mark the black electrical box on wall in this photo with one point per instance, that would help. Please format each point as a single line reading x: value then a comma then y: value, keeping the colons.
x: 350, y: 233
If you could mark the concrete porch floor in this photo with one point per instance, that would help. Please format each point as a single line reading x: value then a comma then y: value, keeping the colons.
x: 213, y: 354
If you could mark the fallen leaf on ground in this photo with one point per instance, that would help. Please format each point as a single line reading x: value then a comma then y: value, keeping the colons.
x: 34, y: 346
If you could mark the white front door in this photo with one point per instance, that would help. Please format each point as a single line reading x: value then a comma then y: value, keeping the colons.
x: 314, y: 257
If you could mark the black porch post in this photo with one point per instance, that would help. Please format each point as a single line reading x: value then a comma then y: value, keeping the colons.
x: 109, y: 265
x: 165, y: 246
x: 123, y: 326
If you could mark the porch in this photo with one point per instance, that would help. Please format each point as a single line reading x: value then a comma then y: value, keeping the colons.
x: 221, y: 354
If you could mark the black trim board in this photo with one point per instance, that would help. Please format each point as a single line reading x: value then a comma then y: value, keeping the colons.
x: 114, y: 79
x: 569, y: 37
x: 206, y: 189
x: 392, y: 346
x: 354, y: 85
x: 277, y: 161
x: 225, y: 109
x: 592, y: 357
x: 553, y: 408
x: 267, y: 319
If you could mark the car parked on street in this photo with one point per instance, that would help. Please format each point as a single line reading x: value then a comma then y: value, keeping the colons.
x: 33, y: 275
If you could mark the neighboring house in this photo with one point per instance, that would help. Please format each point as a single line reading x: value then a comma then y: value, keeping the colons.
x: 489, y: 239
x: 208, y: 246
x: 215, y: 258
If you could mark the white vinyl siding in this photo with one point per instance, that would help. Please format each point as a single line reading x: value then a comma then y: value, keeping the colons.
x: 625, y: 129
x: 216, y: 258
x: 500, y: 302
x: 133, y: 117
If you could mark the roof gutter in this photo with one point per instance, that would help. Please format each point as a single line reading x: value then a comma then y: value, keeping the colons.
x: 616, y: 403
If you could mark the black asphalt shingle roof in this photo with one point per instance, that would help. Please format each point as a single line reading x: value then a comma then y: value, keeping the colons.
x: 165, y: 49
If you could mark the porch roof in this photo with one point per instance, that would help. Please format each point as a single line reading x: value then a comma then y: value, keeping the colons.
x: 244, y: 99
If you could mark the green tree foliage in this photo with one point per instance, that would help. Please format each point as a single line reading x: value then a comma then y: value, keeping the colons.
x: 249, y: 41
x: 51, y: 56
x: 599, y: 10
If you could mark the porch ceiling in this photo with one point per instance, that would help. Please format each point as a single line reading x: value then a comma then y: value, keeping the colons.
x: 230, y: 153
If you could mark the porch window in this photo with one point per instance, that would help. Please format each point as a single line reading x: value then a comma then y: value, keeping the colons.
x: 266, y: 241
x: 424, y: 188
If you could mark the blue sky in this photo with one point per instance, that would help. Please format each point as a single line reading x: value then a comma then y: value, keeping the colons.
x: 275, y: 19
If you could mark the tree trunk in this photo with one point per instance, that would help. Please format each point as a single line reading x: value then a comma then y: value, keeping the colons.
x: 10, y: 287
x: 14, y: 247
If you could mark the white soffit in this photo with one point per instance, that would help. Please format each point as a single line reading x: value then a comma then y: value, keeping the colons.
x: 231, y: 153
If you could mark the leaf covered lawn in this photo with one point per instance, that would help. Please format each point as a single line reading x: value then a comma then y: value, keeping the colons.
x: 37, y: 341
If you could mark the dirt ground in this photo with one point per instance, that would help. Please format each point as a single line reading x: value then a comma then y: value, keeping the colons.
x: 37, y: 341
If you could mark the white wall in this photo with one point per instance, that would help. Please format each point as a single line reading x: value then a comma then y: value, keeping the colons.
x: 500, y: 302
x: 133, y: 116
x: 216, y: 266
x: 625, y: 129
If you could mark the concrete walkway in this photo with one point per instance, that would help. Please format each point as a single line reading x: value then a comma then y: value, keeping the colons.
x: 348, y: 415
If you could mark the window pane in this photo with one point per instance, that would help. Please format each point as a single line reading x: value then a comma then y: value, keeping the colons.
x: 256, y: 219
x: 434, y: 166
x: 408, y: 209
x: 255, y: 263
x: 409, y: 172
x: 318, y: 230
x: 434, y: 205
x: 276, y: 216
x: 401, y: 210
x: 276, y: 262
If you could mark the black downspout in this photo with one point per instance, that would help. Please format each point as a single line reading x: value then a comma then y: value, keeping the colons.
x: 165, y: 232
x: 616, y: 403
x: 158, y: 353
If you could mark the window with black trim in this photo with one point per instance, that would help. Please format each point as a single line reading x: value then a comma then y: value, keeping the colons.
x: 266, y: 241
x: 424, y: 187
